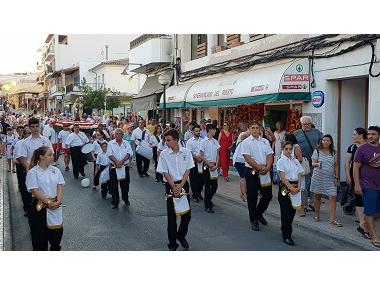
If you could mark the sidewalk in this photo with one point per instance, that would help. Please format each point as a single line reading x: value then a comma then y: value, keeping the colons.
x: 5, y: 232
x: 346, y: 234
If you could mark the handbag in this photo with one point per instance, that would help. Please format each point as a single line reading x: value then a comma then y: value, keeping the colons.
x: 181, y: 205
x: 305, y: 166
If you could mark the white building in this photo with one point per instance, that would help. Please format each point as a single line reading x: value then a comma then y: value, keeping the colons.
x: 67, y: 59
x: 219, y: 72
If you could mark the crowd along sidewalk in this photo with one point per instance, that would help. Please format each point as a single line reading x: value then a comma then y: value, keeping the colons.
x: 346, y: 234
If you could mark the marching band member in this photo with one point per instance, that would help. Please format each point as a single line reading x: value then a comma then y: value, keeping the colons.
x: 102, y: 161
x: 196, y: 173
x: 138, y: 135
x: 45, y: 182
x: 119, y: 152
x: 290, y: 173
x: 62, y: 137
x: 258, y: 156
x: 97, y: 147
x: 154, y: 141
x: 75, y: 141
x: 175, y: 163
x: 209, y: 152
x: 24, y: 155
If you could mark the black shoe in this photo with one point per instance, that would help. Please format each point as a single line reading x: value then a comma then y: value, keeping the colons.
x: 83, y: 175
x: 289, y: 241
x: 157, y: 180
x: 67, y: 168
x: 75, y: 177
x: 172, y: 247
x: 210, y: 210
x: 127, y: 203
x: 200, y: 197
x: 183, y: 242
x: 196, y: 199
x: 115, y: 206
x: 141, y: 175
x: 255, y: 226
x: 146, y: 174
x: 103, y: 197
x: 263, y: 221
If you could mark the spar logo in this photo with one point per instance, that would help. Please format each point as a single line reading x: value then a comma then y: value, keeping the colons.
x: 299, y: 67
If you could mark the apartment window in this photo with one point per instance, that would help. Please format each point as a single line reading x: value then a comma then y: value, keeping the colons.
x: 233, y: 40
x: 198, y: 46
x: 62, y: 39
x: 221, y: 40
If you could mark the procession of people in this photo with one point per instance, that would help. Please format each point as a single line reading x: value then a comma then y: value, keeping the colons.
x: 187, y: 166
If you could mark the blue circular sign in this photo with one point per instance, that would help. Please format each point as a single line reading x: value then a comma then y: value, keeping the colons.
x: 317, y: 99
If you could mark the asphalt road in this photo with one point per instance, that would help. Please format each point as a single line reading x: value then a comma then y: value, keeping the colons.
x: 91, y: 224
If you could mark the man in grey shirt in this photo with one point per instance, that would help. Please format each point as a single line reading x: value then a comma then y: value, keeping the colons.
x: 308, y: 139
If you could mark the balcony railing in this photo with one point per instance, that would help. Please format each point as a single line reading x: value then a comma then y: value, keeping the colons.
x: 72, y: 88
x: 57, y: 89
x: 49, y: 53
x: 146, y: 37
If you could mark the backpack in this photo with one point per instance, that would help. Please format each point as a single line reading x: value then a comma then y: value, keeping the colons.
x: 233, y: 147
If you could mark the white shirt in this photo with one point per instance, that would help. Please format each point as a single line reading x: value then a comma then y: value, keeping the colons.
x: 76, y: 139
x: 153, y: 140
x: 104, y: 132
x: 119, y: 151
x: 194, y: 145
x: 30, y: 144
x: 16, y: 148
x: 210, y: 148
x: 10, y: 141
x: 63, y: 135
x: 53, y: 136
x: 238, y: 157
x: 98, y: 147
x: 280, y: 137
x: 258, y: 149
x: 103, y: 159
x: 45, y: 180
x: 188, y: 135
x: 175, y: 164
x: 137, y: 135
x: 291, y: 166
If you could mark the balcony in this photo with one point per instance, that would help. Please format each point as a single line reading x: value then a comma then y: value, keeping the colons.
x: 57, y: 90
x: 151, y: 51
x: 49, y: 54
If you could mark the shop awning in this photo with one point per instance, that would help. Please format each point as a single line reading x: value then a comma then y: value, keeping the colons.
x: 175, y: 96
x: 146, y: 99
x: 282, y: 82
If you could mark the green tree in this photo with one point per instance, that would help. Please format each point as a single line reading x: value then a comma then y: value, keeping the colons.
x: 93, y: 99
x: 113, y: 102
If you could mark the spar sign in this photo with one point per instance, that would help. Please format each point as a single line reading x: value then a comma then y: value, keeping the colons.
x: 296, y: 77
x: 317, y: 99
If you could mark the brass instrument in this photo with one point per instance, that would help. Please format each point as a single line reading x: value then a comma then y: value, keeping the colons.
x: 40, y: 205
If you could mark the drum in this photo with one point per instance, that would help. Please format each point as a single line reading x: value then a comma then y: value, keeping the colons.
x: 87, y: 150
x: 145, y: 150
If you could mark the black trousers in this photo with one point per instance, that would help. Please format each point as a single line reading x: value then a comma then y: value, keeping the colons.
x: 253, y: 188
x: 211, y: 185
x: 287, y: 214
x: 78, y: 160
x: 196, y: 181
x: 155, y: 158
x: 42, y: 236
x: 142, y: 164
x: 96, y: 180
x: 25, y: 195
x: 114, y: 186
x: 173, y: 232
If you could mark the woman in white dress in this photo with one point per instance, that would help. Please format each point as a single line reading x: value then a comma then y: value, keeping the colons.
x: 45, y: 182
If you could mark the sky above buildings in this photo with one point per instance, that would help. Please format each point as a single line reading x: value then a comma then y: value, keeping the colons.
x: 18, y: 51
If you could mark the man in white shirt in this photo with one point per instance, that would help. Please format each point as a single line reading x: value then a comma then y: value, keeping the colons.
x: 24, y: 153
x: 189, y: 133
x: 119, y: 152
x: 209, y: 152
x: 75, y: 141
x: 141, y: 135
x: 258, y: 156
x: 196, y: 173
x: 175, y: 164
x: 62, y: 137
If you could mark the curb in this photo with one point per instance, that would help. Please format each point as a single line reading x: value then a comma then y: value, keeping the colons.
x: 6, y: 237
x: 2, y: 204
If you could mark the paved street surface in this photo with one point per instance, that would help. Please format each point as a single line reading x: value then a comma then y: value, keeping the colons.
x: 91, y: 224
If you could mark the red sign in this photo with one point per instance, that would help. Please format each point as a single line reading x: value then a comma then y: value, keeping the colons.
x: 257, y: 88
x: 296, y: 77
x: 292, y: 87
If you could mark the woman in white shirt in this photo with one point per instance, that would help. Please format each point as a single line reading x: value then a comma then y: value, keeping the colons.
x: 290, y: 173
x: 45, y: 182
x: 154, y: 140
x: 102, y: 161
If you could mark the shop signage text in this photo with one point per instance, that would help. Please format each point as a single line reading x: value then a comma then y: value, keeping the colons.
x: 294, y: 87
x: 259, y: 88
x: 317, y: 99
x: 213, y: 94
x: 296, y: 77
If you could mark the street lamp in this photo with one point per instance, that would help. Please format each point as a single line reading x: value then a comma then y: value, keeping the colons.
x: 164, y: 79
